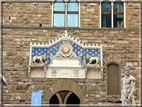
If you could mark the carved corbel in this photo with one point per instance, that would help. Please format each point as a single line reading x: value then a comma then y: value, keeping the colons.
x: 45, y: 72
x: 86, y: 74
x: 29, y: 71
x: 102, y: 73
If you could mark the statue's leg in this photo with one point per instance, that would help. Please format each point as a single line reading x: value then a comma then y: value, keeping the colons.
x: 123, y: 98
x: 33, y: 62
x: 125, y: 103
x: 41, y: 61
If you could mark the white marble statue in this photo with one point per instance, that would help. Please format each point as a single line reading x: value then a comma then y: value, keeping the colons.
x: 3, y: 80
x: 128, y: 87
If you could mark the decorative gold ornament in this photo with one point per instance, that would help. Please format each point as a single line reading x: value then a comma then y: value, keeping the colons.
x: 66, y: 49
x: 39, y: 58
x: 93, y: 59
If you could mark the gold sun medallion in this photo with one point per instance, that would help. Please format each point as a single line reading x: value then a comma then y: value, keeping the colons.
x: 66, y: 49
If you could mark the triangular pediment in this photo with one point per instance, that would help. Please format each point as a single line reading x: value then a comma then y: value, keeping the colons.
x: 66, y: 47
x: 65, y: 36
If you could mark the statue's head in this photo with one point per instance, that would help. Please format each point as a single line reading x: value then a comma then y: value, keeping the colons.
x: 127, y: 70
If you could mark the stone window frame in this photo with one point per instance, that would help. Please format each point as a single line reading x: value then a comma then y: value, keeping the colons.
x: 66, y: 1
x: 112, y: 4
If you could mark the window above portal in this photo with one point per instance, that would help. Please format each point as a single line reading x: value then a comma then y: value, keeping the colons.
x: 65, y: 13
x: 112, y: 15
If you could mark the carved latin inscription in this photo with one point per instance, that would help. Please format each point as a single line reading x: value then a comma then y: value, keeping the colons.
x: 65, y: 73
x: 54, y: 72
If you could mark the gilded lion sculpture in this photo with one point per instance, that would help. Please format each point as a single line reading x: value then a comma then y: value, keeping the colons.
x: 40, y: 59
x: 93, y: 59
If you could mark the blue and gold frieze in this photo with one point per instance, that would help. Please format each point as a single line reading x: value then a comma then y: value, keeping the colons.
x: 49, y: 52
x: 65, y: 47
x: 81, y: 52
x: 52, y: 51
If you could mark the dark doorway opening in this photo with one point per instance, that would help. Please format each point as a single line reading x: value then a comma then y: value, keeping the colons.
x: 54, y: 100
x: 73, y: 99
x: 64, y: 97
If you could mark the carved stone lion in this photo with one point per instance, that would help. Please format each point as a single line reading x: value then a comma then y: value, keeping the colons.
x: 93, y: 59
x: 38, y: 58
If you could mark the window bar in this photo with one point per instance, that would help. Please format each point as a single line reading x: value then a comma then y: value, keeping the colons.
x: 66, y: 14
x: 124, y: 15
x: 112, y: 4
x: 79, y: 15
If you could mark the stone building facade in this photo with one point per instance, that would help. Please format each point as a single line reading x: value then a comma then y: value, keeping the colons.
x: 24, y: 23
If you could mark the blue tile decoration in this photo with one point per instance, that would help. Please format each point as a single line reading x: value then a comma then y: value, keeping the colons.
x: 79, y: 51
x: 49, y: 52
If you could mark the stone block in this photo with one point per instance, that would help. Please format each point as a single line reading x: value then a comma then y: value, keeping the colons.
x: 46, y: 96
x: 91, y: 98
x: 19, y: 87
x: 6, y: 98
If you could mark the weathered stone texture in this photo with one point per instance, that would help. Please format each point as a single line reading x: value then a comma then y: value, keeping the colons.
x: 117, y: 46
x: 27, y: 14
x: 89, y: 15
x: 132, y: 15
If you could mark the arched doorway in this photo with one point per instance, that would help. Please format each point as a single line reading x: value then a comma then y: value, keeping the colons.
x: 63, y: 88
x: 64, y: 97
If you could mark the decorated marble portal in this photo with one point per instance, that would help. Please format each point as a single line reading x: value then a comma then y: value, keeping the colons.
x: 65, y: 57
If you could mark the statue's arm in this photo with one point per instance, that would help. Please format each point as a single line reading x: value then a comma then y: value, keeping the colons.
x: 4, y: 81
x: 132, y: 88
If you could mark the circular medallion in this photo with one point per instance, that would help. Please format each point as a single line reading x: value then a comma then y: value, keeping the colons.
x: 66, y: 49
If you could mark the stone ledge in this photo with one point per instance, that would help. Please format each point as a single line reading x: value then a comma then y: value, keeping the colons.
x: 36, y: 65
x: 87, y: 66
x: 66, y: 28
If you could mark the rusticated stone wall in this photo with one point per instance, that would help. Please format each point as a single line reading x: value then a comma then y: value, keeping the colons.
x: 89, y: 15
x: 27, y: 14
x: 121, y: 43
x: 132, y: 15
